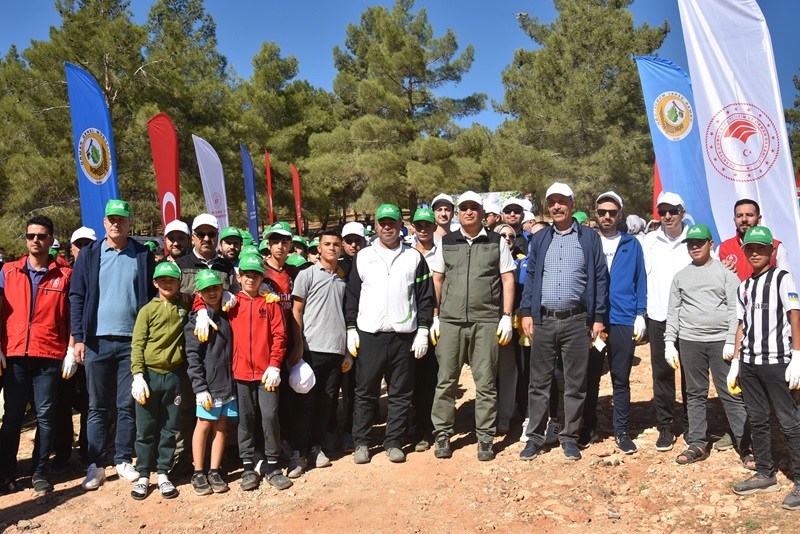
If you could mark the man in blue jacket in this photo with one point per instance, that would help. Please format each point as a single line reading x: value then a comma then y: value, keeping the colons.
x: 627, y: 303
x: 565, y: 297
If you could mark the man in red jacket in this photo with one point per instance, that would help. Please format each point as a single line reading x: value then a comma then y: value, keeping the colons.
x: 34, y: 333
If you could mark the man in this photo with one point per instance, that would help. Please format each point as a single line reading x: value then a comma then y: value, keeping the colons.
x: 34, y: 334
x: 80, y: 238
x: 627, y: 303
x: 205, y: 237
x: 565, y: 297
x: 528, y: 220
x: 353, y: 240
x: 230, y: 244
x: 388, y: 310
x: 746, y: 215
x: 512, y: 216
x: 474, y: 270
x: 491, y: 217
x: 300, y: 246
x: 442, y: 207
x: 664, y: 255
x: 110, y: 284
x: 176, y: 239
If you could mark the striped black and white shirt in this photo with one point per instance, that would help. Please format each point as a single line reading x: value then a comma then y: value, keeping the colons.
x: 762, y: 304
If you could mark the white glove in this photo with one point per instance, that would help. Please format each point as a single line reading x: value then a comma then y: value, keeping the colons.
x: 203, y: 399
x: 202, y: 323
x: 671, y: 355
x: 504, y: 330
x: 139, y: 389
x: 2, y: 361
x: 793, y: 371
x: 434, y: 331
x: 347, y: 363
x: 639, y: 327
x: 420, y: 345
x: 228, y: 300
x: 69, y: 365
x: 733, y: 377
x: 727, y: 352
x: 353, y: 342
x: 271, y: 378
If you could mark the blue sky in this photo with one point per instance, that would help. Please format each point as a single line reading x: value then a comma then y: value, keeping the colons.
x: 310, y: 29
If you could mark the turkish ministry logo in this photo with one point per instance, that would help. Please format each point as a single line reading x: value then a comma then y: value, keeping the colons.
x: 673, y: 115
x: 95, y: 157
x: 742, y: 142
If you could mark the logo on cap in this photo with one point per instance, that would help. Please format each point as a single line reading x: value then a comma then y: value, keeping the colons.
x: 757, y: 231
x: 695, y: 231
x: 95, y: 156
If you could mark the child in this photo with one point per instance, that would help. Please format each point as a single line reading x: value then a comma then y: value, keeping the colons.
x: 157, y: 359
x: 211, y: 373
x: 768, y: 347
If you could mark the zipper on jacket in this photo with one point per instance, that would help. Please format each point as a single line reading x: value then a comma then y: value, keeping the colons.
x: 252, y: 363
x: 466, y: 301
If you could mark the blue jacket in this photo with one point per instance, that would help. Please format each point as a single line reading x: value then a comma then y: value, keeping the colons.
x: 594, y: 297
x: 84, y: 293
x: 627, y: 292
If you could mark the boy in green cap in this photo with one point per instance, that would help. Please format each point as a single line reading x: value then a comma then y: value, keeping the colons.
x: 157, y: 365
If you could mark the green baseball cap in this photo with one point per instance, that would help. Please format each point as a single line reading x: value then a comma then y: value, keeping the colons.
x: 263, y: 246
x: 230, y: 231
x: 580, y: 216
x: 758, y: 234
x: 314, y: 243
x: 247, y: 237
x: 118, y: 207
x: 152, y: 245
x: 698, y: 231
x: 388, y: 211
x: 207, y: 278
x: 167, y: 268
x: 297, y: 260
x: 251, y: 262
x: 53, y: 252
x: 249, y: 249
x: 424, y: 214
x: 280, y: 228
x: 300, y: 240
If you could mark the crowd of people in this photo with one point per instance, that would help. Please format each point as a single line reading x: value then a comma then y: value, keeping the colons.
x: 162, y: 356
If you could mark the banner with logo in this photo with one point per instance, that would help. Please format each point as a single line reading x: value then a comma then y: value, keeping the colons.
x: 93, y: 144
x: 740, y: 115
x: 269, y: 188
x: 164, y: 146
x: 298, y: 201
x: 250, y: 192
x: 213, y: 180
x: 676, y: 137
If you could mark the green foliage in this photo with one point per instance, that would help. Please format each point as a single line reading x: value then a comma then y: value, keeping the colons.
x: 793, y: 123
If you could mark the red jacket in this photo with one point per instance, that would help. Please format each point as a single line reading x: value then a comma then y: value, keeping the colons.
x: 46, y: 334
x: 731, y: 250
x: 259, y: 336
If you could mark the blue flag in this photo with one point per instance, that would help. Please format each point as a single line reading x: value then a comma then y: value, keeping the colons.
x: 94, y: 146
x: 250, y: 192
x: 676, y: 137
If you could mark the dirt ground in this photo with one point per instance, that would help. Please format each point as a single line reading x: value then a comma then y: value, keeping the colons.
x: 605, y: 491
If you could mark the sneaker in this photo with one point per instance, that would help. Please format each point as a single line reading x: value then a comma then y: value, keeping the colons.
x: 442, y: 449
x: 329, y: 442
x: 200, y: 484
x: 319, y: 458
x: 524, y: 436
x: 530, y: 451
x: 139, y: 490
x: 167, y: 489
x: 586, y: 437
x: 625, y: 443
x: 485, y: 452
x: 127, y: 471
x: 348, y: 445
x: 278, y: 480
x: 215, y: 481
x: 40, y: 484
x: 724, y: 443
x: 95, y: 476
x: 665, y: 439
x: 792, y: 501
x: 571, y: 450
x: 297, y: 465
x: 361, y: 455
x: 422, y: 445
x: 757, y: 483
x: 396, y: 456
x: 250, y: 480
x: 551, y: 433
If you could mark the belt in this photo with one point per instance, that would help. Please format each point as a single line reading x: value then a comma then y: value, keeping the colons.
x: 563, y: 314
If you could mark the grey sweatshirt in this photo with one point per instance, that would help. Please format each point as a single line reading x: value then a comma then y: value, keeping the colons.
x: 702, y: 304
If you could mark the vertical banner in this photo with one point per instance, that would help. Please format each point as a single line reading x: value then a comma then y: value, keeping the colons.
x: 250, y: 192
x: 740, y: 115
x: 93, y: 144
x: 164, y: 146
x: 269, y: 188
x: 676, y: 137
x: 213, y: 180
x: 298, y: 201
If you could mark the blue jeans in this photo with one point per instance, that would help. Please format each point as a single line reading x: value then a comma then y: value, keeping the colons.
x: 108, y: 376
x: 22, y: 374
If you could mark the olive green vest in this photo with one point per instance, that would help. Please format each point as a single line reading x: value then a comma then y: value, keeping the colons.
x: 472, y: 290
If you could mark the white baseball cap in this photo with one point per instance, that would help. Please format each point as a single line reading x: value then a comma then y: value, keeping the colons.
x: 491, y: 206
x: 83, y: 233
x: 470, y: 196
x: 56, y: 244
x: 513, y: 202
x: 205, y: 218
x: 353, y: 228
x: 609, y: 194
x: 177, y: 226
x: 527, y: 205
x: 301, y: 377
x: 442, y: 197
x: 528, y: 216
x: 559, y: 189
x: 673, y: 199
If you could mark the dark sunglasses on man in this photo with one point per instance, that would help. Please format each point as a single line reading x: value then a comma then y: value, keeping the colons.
x: 202, y: 235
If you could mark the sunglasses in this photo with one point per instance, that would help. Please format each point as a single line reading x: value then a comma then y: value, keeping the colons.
x: 507, y: 236
x: 603, y: 213
x: 673, y: 212
x: 40, y: 237
x: 202, y: 235
x: 512, y: 210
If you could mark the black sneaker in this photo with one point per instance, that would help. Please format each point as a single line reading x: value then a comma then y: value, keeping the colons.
x: 757, y: 483
x: 278, y: 480
x: 792, y: 501
x: 665, y: 439
x: 250, y: 480
x: 442, y: 449
x: 40, y: 484
x: 200, y: 484
x: 571, y: 450
x: 625, y: 443
x: 586, y: 437
x: 530, y: 451
x: 215, y: 481
x: 485, y: 452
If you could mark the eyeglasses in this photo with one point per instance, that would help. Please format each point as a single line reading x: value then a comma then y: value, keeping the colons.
x: 507, y: 236
x: 202, y: 235
x: 40, y: 237
x: 603, y: 213
x: 673, y: 212
x: 353, y: 240
x: 512, y: 210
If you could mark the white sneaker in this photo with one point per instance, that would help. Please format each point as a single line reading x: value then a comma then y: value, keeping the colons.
x: 319, y: 458
x: 127, y: 471
x: 524, y: 436
x: 551, y: 434
x: 95, y: 476
x: 297, y: 465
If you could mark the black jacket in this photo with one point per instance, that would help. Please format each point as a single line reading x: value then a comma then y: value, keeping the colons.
x: 211, y: 363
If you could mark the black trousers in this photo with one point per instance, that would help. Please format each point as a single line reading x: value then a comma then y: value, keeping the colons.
x: 312, y: 411
x: 426, y: 371
x: 664, y: 378
x: 619, y: 351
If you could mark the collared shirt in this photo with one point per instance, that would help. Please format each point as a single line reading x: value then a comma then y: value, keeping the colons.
x: 507, y: 265
x: 430, y: 254
x: 663, y: 258
x: 564, y: 277
x: 324, y: 327
x: 117, y: 306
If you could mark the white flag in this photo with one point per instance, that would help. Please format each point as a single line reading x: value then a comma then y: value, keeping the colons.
x: 740, y: 115
x: 213, y: 180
